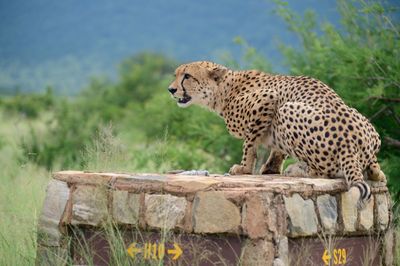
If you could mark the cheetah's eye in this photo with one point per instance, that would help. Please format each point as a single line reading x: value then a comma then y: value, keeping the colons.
x: 187, y: 76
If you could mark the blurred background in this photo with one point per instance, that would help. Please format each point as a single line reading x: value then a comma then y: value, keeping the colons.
x: 64, y: 43
x: 83, y: 85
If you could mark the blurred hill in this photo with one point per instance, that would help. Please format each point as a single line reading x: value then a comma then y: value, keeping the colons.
x: 62, y: 43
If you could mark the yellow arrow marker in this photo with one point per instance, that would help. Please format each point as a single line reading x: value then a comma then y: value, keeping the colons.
x: 177, y: 251
x: 133, y: 250
x: 326, y: 257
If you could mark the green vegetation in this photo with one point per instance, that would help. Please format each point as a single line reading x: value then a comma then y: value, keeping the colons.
x: 21, y: 193
x: 133, y: 125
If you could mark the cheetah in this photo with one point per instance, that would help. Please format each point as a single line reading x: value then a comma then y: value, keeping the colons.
x: 294, y: 116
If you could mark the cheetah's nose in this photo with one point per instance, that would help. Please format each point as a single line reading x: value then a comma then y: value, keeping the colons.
x: 172, y: 90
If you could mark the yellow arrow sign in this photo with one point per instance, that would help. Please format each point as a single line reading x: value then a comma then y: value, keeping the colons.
x: 133, y: 250
x: 177, y: 251
x: 326, y: 257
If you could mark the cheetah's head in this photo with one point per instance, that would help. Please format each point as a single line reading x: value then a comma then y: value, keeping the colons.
x: 196, y: 83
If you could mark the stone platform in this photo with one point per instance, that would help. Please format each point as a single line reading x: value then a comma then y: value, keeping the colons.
x: 213, y: 220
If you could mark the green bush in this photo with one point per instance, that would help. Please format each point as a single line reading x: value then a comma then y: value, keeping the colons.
x: 28, y: 105
x: 67, y: 133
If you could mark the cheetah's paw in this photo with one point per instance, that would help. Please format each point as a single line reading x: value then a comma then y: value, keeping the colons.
x: 238, y: 169
x: 382, y: 177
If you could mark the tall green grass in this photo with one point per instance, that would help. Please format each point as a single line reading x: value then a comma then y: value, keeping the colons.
x: 22, y: 191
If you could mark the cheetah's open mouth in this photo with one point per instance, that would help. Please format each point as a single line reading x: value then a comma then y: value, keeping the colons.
x: 185, y: 99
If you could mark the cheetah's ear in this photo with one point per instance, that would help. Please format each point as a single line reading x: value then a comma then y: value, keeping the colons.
x: 217, y: 74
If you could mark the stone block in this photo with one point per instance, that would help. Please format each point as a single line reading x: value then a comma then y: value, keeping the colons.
x: 303, y: 220
x: 278, y: 262
x: 258, y: 253
x: 283, y: 250
x: 187, y: 220
x: 164, y: 211
x: 263, y: 215
x: 89, y: 205
x: 327, y: 207
x: 349, y: 201
x: 125, y: 207
x: 213, y: 213
x: 190, y: 185
x: 254, y: 221
x: 382, y: 211
x: 57, y: 194
x: 367, y: 215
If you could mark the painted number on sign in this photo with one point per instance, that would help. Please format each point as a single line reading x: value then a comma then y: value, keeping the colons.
x: 153, y: 250
x: 339, y: 256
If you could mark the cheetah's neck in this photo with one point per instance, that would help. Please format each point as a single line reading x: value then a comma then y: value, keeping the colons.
x: 220, y: 97
x: 233, y: 84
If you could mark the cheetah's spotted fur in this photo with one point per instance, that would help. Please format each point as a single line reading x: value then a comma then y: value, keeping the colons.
x: 292, y: 115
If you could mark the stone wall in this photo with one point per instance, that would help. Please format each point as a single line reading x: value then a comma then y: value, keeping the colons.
x: 269, y: 214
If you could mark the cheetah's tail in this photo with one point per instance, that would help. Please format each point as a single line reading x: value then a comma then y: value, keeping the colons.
x: 355, y: 180
x: 365, y: 193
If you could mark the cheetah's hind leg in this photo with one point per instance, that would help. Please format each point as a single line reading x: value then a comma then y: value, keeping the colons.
x: 374, y: 173
x: 298, y: 169
x: 274, y: 163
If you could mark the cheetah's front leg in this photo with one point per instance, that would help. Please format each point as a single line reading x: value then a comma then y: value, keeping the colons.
x: 248, y: 159
x: 262, y: 113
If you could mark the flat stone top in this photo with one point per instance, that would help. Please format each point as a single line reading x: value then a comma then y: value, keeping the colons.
x: 187, y: 184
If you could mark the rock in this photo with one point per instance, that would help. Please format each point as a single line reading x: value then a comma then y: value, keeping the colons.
x: 367, y: 215
x: 57, y: 194
x: 278, y: 262
x: 187, y: 225
x: 254, y: 221
x: 382, y: 211
x: 164, y: 211
x: 303, y: 220
x: 213, y: 213
x: 148, y: 177
x: 125, y: 207
x: 89, y: 205
x: 283, y: 250
x: 258, y: 253
x: 196, y: 183
x: 349, y: 208
x: 327, y: 208
x: 195, y: 172
x: 263, y: 215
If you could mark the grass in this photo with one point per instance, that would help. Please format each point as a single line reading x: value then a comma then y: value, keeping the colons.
x: 397, y: 248
x: 22, y: 192
x: 21, y: 197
